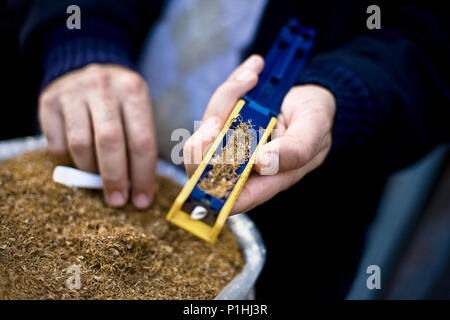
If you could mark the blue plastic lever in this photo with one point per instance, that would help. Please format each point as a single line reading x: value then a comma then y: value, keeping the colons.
x: 283, y: 64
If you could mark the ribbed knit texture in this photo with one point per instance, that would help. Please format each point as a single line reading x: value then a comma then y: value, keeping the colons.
x: 101, y: 42
x: 97, y: 41
x: 354, y: 120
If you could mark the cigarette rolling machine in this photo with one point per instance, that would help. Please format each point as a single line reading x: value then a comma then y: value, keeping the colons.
x: 203, y: 214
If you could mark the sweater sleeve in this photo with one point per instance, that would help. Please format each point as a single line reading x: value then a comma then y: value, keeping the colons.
x: 391, y: 87
x: 97, y: 41
x: 111, y: 32
x: 354, y: 119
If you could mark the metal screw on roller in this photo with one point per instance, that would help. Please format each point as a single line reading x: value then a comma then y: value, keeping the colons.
x: 199, y: 213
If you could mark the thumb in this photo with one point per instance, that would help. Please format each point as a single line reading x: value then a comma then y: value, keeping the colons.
x: 242, y: 80
x: 282, y: 154
x: 198, y: 144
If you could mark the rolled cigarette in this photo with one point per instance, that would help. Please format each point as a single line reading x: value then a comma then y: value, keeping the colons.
x: 72, y: 177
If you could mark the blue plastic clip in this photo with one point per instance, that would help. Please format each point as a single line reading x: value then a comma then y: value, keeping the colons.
x: 283, y: 64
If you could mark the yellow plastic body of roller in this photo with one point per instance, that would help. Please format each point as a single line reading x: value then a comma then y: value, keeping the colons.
x: 202, y: 230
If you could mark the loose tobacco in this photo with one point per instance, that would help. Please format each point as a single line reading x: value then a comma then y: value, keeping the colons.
x: 223, y: 175
x: 46, y: 228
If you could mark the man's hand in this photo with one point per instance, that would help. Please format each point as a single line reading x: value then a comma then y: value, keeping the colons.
x: 100, y: 118
x: 300, y: 144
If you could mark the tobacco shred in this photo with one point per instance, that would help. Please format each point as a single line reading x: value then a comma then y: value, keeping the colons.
x: 223, y: 175
x: 122, y: 253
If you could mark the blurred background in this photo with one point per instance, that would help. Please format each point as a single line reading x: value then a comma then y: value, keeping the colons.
x: 18, y: 85
x: 409, y: 238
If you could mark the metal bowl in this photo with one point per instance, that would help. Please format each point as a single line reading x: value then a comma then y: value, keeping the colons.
x: 248, y: 236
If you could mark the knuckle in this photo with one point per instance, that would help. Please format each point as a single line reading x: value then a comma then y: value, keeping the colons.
x: 230, y: 86
x: 225, y: 87
x: 94, y: 68
x: 109, y: 136
x: 45, y: 99
x: 57, y: 150
x: 234, y: 87
x: 142, y: 143
x: 78, y: 143
x: 98, y: 79
x: 141, y: 184
x: 113, y: 182
x: 132, y: 83
x: 66, y: 99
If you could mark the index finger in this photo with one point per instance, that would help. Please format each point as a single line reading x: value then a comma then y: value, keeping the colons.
x: 110, y: 147
x: 142, y: 153
x: 242, y: 80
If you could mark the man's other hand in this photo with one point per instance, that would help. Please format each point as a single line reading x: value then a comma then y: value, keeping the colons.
x: 99, y: 118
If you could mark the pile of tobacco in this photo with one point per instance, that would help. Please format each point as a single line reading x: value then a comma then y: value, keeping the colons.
x: 65, y: 243
x: 223, y: 175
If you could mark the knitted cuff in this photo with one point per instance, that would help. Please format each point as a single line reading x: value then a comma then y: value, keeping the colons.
x: 354, y: 120
x: 96, y: 42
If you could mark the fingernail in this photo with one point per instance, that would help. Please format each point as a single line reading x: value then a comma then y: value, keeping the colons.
x: 141, y: 201
x: 251, y: 62
x: 245, y: 75
x: 268, y: 158
x: 116, y: 199
x: 270, y: 164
